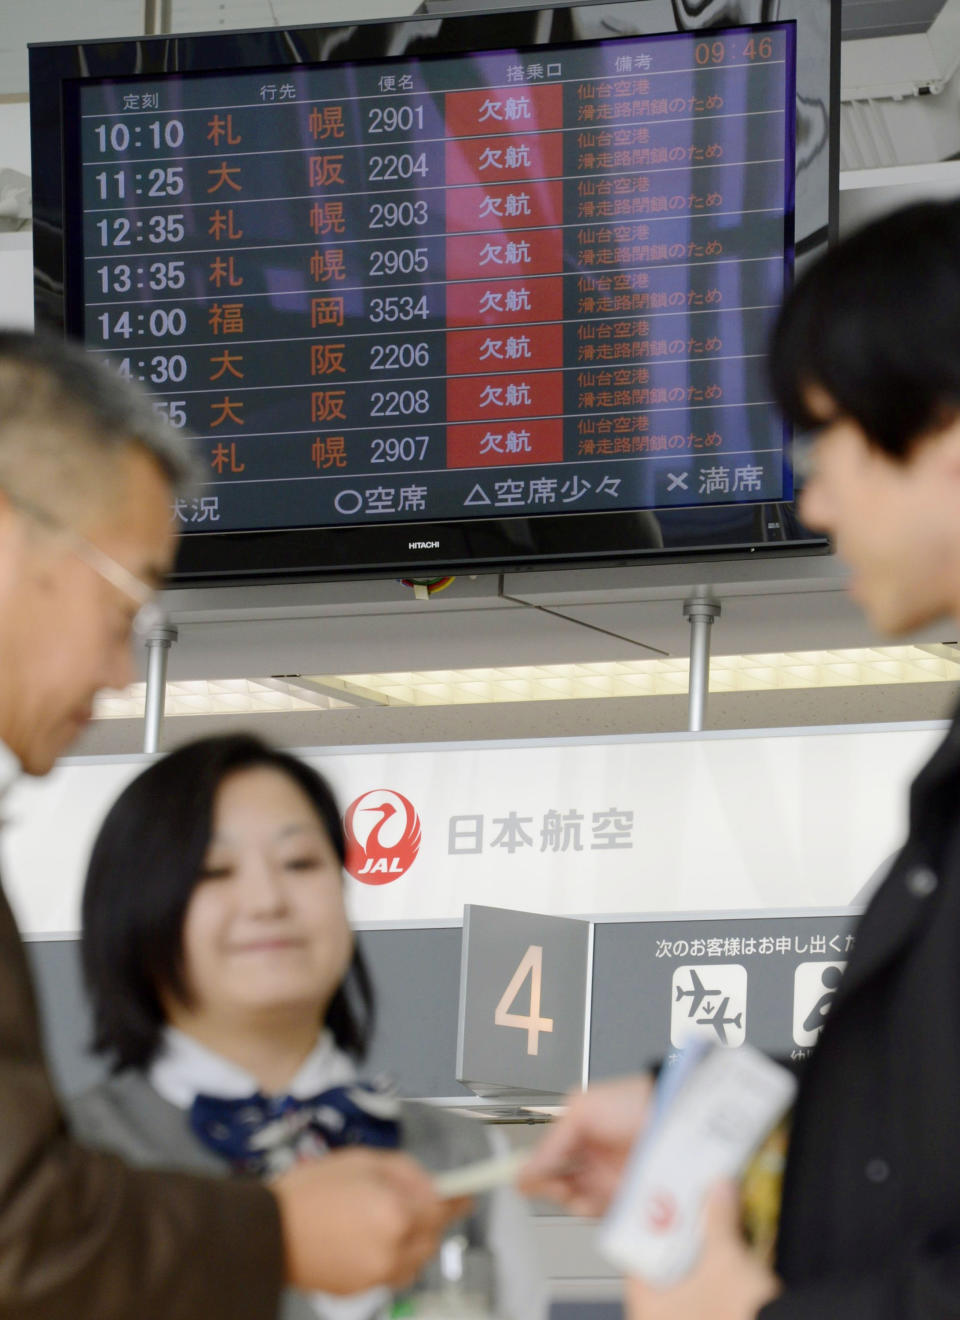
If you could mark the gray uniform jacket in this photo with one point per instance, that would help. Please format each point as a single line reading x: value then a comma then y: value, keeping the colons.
x: 127, y: 1115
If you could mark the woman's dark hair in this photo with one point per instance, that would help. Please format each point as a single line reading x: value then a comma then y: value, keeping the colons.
x: 876, y: 324
x: 145, y: 865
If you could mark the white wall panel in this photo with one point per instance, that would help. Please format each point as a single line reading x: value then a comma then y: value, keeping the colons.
x: 23, y: 21
x: 719, y: 822
x: 16, y: 281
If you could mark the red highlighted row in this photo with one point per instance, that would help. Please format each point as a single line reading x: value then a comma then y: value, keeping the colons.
x: 503, y: 302
x: 498, y: 444
x: 504, y: 110
x: 496, y: 206
x: 530, y: 252
x: 504, y: 159
x: 493, y: 399
x: 501, y: 348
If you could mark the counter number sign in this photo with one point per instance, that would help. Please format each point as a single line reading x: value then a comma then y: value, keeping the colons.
x: 524, y: 995
x: 531, y: 964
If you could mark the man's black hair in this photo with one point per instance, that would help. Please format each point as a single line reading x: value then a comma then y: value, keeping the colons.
x: 146, y: 863
x: 875, y: 323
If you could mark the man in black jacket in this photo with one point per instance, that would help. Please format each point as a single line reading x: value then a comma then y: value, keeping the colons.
x: 867, y: 354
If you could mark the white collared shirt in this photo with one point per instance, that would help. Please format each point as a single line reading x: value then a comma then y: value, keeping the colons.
x: 184, y: 1069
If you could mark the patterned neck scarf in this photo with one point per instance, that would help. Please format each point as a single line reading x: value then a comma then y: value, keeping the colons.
x: 263, y: 1135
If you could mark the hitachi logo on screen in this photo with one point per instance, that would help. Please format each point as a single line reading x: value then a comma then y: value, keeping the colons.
x: 423, y: 545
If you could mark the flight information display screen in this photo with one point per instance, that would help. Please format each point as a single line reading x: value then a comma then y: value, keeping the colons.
x: 496, y: 284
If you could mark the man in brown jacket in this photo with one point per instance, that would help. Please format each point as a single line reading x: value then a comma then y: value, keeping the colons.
x: 87, y: 476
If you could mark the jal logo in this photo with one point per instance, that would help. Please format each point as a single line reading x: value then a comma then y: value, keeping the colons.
x: 661, y: 1212
x: 383, y: 836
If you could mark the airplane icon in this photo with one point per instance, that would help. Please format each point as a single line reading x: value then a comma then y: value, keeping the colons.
x: 720, y: 1022
x: 697, y: 995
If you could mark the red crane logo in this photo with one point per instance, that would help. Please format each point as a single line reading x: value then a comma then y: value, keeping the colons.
x: 383, y: 836
x: 661, y: 1212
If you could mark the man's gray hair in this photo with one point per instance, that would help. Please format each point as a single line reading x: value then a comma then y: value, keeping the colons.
x: 65, y: 417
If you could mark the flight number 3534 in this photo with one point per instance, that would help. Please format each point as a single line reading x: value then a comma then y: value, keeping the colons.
x: 398, y: 307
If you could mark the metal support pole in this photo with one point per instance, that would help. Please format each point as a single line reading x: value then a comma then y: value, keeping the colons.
x: 158, y: 648
x: 701, y: 612
x: 157, y: 17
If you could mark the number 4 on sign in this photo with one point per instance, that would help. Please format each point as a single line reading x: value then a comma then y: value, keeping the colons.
x: 530, y: 964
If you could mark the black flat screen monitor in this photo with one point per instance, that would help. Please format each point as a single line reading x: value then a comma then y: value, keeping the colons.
x: 449, y: 294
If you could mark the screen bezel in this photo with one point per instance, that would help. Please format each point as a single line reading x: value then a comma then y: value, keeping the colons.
x: 383, y: 549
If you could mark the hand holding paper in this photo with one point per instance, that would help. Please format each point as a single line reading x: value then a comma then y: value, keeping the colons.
x: 715, y: 1105
x: 727, y: 1282
x: 580, y: 1162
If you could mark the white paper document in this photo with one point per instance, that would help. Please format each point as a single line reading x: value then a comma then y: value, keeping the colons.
x: 483, y: 1176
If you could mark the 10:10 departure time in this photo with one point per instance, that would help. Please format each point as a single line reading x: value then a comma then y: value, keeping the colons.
x: 119, y: 136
